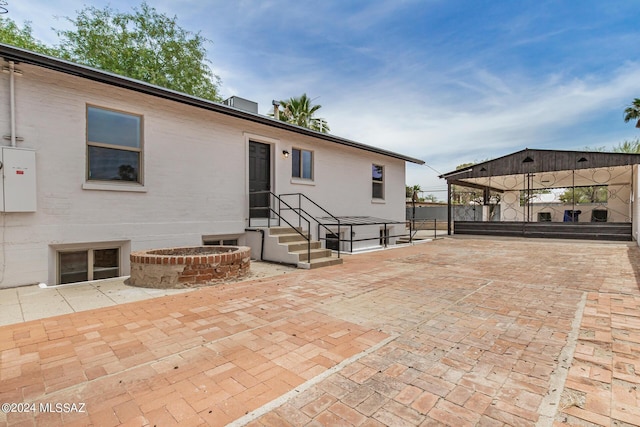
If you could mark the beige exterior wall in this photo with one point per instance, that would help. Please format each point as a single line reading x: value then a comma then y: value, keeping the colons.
x: 618, y: 207
x: 195, y: 172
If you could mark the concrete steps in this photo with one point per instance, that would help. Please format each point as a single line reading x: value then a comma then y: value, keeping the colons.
x: 320, y: 262
x: 296, y: 243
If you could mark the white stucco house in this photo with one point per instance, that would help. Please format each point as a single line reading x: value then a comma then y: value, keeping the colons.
x: 95, y: 166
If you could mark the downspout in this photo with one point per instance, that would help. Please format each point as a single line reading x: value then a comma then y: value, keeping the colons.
x: 11, y: 69
x: 261, y: 230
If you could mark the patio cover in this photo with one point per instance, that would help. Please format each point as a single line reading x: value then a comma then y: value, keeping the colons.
x: 520, y: 163
x: 533, y: 169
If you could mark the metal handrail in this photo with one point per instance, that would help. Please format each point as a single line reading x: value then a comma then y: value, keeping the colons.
x: 413, y: 230
x: 300, y: 210
x: 281, y: 218
x: 307, y: 217
x: 314, y: 203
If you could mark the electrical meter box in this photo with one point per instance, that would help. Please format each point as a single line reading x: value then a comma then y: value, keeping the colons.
x: 18, y: 173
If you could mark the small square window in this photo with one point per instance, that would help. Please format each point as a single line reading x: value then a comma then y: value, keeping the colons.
x: 302, y: 164
x: 106, y: 263
x: 88, y: 264
x: 73, y: 267
x: 332, y: 241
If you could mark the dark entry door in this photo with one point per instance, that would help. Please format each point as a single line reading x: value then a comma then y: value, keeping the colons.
x: 259, y: 179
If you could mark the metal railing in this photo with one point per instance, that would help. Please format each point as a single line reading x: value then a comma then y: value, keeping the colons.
x: 275, y: 208
x: 270, y: 210
x: 416, y: 225
x: 303, y: 214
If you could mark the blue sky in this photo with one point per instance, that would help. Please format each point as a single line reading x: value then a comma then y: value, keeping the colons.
x: 447, y: 81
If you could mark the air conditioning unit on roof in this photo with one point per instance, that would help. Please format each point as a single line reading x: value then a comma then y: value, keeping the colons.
x: 242, y: 104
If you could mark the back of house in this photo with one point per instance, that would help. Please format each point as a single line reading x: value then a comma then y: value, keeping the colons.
x: 96, y: 166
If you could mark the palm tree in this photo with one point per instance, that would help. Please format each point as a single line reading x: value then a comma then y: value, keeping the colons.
x: 413, y: 190
x: 299, y: 111
x: 633, y: 112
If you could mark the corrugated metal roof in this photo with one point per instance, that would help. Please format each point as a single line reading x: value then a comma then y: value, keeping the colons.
x: 532, y: 161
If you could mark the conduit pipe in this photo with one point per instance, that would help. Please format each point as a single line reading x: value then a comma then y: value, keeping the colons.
x: 12, y: 101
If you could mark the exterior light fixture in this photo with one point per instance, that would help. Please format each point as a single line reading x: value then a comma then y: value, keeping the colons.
x: 285, y: 154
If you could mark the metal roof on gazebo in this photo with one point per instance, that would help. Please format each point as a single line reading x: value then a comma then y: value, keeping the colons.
x: 530, y: 161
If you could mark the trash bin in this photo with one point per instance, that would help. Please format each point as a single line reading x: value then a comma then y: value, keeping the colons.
x: 599, y: 215
x: 572, y: 216
x: 544, y: 216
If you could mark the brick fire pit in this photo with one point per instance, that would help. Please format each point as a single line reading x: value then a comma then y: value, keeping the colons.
x: 188, y: 267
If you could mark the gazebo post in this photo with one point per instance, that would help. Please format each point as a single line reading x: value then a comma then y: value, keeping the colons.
x: 449, y: 208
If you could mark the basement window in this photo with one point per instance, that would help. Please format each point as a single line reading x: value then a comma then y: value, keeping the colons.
x: 229, y: 242
x: 88, y: 264
x: 221, y: 239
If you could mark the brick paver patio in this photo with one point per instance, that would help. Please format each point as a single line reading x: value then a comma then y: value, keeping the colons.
x: 457, y: 332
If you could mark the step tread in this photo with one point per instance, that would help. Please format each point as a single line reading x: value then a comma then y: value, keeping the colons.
x: 291, y: 238
x: 278, y: 231
x: 321, y: 262
x: 313, y: 251
x: 302, y: 245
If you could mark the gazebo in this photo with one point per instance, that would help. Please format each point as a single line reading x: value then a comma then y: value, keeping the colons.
x: 547, y: 193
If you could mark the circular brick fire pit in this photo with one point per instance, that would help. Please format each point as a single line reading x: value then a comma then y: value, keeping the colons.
x: 188, y: 267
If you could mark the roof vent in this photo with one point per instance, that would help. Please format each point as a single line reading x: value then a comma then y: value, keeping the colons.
x: 242, y: 104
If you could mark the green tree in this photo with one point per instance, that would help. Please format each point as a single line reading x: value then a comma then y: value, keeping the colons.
x: 601, y: 149
x: 592, y: 194
x: 11, y: 33
x: 144, y: 45
x: 299, y: 111
x: 632, y: 146
x: 461, y: 195
x: 633, y: 112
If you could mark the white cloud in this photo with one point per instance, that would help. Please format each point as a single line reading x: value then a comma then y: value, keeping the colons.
x: 504, y: 117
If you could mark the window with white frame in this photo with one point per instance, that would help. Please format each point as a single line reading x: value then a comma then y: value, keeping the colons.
x: 81, y: 265
x: 377, y: 179
x: 301, y: 164
x: 114, y: 145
